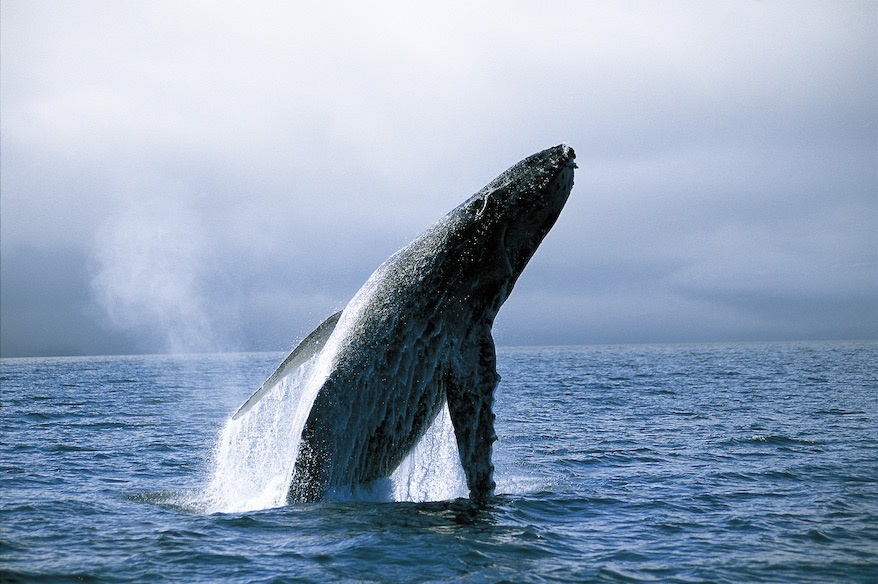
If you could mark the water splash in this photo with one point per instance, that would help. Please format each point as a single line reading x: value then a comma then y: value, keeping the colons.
x: 255, y: 455
x: 432, y: 470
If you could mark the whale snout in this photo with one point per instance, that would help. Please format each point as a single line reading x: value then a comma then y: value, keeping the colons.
x: 568, y: 155
x: 533, y: 210
x: 558, y: 189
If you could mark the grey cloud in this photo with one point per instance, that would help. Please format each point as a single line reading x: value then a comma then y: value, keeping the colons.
x: 727, y: 153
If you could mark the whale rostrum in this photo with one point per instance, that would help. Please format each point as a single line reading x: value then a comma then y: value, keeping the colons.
x: 417, y: 335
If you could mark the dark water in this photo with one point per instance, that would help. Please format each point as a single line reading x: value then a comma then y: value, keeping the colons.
x: 722, y: 463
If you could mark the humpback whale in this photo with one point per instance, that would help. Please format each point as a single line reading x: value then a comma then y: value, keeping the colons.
x: 417, y: 335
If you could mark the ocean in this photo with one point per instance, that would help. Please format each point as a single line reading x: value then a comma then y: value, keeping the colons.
x: 633, y: 463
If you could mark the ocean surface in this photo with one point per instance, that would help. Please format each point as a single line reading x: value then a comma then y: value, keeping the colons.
x: 670, y: 463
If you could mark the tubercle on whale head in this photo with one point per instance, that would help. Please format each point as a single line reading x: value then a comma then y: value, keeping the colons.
x: 502, y: 225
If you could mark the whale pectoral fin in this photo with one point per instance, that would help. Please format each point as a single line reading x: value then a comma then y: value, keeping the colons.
x: 470, y: 395
x: 304, y: 351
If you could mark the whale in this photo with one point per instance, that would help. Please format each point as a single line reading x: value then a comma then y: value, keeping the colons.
x: 418, y: 336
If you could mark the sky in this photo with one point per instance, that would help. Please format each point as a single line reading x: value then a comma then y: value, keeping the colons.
x: 213, y: 176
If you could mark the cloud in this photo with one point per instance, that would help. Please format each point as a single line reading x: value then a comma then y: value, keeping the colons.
x: 726, y: 152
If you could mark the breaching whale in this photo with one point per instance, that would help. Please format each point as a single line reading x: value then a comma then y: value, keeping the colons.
x: 417, y: 335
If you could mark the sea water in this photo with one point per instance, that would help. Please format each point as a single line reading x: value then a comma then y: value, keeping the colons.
x: 672, y: 463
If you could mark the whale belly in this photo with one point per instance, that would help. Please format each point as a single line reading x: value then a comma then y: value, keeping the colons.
x: 365, y: 421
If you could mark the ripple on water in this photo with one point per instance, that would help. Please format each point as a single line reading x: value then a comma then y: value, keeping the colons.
x: 650, y: 463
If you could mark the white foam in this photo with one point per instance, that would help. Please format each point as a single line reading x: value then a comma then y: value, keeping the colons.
x: 432, y: 470
x: 255, y: 455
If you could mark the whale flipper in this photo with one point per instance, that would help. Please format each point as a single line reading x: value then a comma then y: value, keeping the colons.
x: 469, y: 389
x: 304, y: 351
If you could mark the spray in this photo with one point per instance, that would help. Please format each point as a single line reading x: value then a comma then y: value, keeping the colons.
x: 150, y: 267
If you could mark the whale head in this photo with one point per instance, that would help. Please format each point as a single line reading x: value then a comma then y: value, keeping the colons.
x: 496, y: 231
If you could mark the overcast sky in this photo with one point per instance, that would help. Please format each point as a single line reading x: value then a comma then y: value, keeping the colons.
x: 198, y: 176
